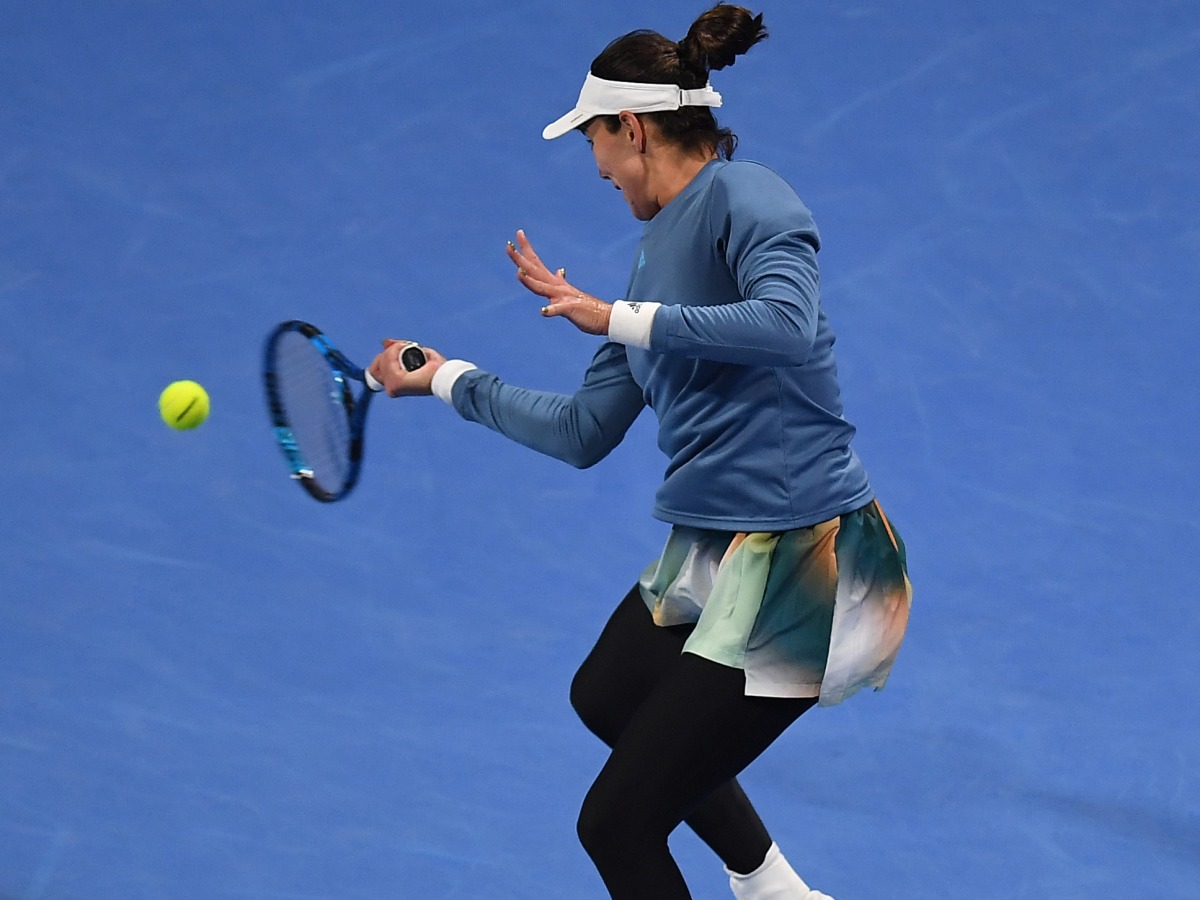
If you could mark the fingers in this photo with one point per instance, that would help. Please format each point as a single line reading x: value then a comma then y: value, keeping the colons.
x: 588, y: 314
x: 392, y: 342
x: 537, y: 285
x: 583, y: 310
x: 526, y: 257
x: 562, y: 306
x: 531, y: 271
x: 527, y: 251
x: 433, y: 358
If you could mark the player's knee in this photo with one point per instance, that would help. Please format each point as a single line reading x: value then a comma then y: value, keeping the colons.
x: 582, y: 700
x: 604, y: 827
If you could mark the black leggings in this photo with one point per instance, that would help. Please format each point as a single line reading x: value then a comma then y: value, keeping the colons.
x: 681, y: 728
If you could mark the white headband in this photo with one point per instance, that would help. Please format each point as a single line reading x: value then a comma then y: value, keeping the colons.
x: 607, y: 98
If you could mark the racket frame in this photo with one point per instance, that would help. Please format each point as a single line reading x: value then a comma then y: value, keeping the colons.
x: 343, y: 372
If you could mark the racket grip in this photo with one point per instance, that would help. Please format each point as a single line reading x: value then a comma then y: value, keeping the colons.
x: 412, y: 358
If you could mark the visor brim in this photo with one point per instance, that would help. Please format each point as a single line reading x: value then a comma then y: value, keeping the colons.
x: 567, y: 123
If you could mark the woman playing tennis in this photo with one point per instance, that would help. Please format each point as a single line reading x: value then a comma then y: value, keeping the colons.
x: 782, y: 584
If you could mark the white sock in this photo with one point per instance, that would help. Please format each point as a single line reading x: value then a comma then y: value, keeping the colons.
x: 775, y: 879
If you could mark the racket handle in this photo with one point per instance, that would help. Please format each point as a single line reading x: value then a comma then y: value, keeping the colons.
x: 412, y: 358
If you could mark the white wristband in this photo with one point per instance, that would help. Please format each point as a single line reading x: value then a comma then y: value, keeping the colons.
x: 448, y: 373
x: 631, y: 323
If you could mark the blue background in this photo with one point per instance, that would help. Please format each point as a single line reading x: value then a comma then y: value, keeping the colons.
x: 213, y: 687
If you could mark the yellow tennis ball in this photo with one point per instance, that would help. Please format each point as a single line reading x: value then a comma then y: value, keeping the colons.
x: 183, y: 405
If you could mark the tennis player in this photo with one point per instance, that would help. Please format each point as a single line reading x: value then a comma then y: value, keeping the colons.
x: 782, y: 583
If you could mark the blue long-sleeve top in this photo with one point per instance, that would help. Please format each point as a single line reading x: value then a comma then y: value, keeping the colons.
x: 739, y: 370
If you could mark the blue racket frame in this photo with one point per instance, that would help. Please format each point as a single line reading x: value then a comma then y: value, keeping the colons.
x: 344, y: 372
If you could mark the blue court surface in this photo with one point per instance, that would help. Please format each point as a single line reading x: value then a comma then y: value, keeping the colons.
x: 213, y: 687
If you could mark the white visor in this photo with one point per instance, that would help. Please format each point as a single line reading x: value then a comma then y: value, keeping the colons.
x: 607, y: 98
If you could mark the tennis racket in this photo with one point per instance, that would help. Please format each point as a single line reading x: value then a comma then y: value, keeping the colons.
x: 317, y: 413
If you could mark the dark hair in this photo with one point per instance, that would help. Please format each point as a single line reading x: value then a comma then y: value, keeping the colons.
x: 714, y: 41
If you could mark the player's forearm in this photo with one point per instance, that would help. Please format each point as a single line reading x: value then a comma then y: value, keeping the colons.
x: 750, y: 333
x: 557, y: 425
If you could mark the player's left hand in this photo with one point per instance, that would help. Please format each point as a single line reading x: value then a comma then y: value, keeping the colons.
x: 587, y: 313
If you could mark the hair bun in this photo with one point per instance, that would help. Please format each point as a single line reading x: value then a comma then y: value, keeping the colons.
x: 719, y: 36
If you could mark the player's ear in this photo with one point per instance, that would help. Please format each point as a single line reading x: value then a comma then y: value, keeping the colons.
x: 633, y: 130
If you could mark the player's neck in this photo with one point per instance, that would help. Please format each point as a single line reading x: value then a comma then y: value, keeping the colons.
x: 677, y: 174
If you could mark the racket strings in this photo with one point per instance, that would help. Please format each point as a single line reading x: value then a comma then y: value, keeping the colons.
x: 315, y: 401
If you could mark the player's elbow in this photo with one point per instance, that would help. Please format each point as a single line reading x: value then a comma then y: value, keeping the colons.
x: 584, y: 457
x: 786, y: 347
x: 787, y: 334
x: 590, y: 446
x: 588, y: 440
x: 795, y: 348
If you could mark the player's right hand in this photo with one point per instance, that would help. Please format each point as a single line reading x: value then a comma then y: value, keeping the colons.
x: 398, y: 381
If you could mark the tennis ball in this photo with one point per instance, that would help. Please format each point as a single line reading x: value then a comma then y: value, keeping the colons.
x: 183, y: 405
